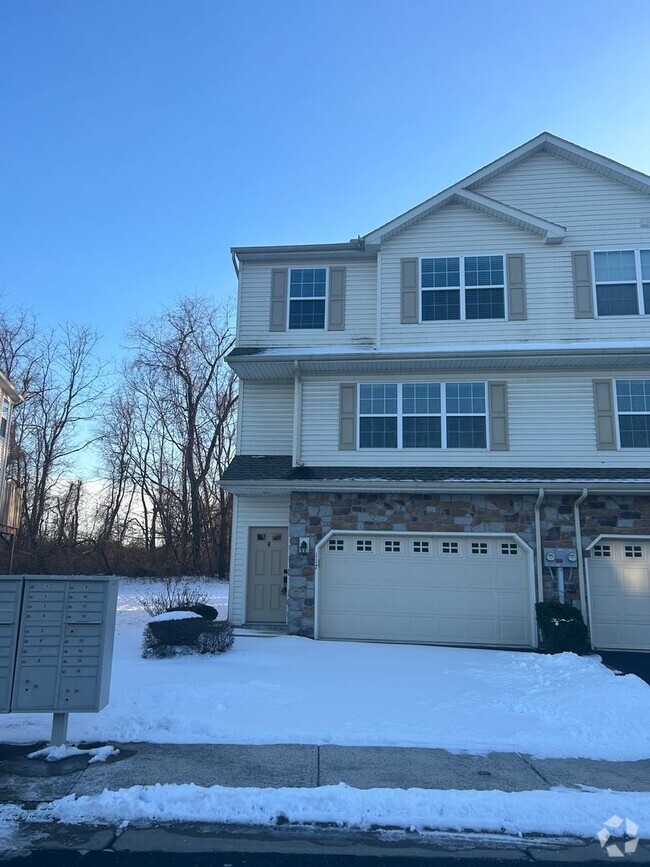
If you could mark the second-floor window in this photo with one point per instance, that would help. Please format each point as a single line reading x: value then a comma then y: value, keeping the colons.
x: 622, y: 280
x: 430, y: 415
x: 462, y: 287
x: 307, y: 295
x: 4, y: 421
x: 633, y: 405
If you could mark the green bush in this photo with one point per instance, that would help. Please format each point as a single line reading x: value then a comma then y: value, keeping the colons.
x: 213, y: 637
x: 217, y: 638
x: 562, y: 627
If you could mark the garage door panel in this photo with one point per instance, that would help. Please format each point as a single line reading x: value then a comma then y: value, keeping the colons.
x: 429, y: 592
x: 619, y: 596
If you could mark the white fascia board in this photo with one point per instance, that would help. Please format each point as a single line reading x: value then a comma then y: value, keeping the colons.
x: 544, y: 142
x: 552, y: 233
x: 273, y: 487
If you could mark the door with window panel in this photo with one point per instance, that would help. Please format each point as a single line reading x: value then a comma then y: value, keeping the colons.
x: 266, y: 593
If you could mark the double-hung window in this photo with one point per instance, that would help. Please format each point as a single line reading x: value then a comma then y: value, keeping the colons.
x: 4, y: 421
x: 463, y: 287
x: 633, y: 405
x: 622, y: 280
x: 429, y: 415
x: 307, y: 294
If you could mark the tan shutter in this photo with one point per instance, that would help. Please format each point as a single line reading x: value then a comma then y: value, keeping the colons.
x: 336, y: 313
x: 498, y: 405
x: 410, y: 313
x: 347, y: 416
x: 516, y: 286
x: 604, y: 408
x: 278, y: 320
x: 583, y: 294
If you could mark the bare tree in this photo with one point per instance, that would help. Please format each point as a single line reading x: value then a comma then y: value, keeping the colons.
x: 171, y: 434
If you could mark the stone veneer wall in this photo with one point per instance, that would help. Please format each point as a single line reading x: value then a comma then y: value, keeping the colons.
x: 315, y: 514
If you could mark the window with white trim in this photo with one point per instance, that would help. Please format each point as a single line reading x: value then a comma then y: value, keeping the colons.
x: 462, y: 287
x: 479, y: 548
x: 633, y: 407
x: 430, y: 415
x: 450, y: 548
x: 364, y: 546
x: 509, y: 549
x: 392, y: 546
x: 336, y: 545
x: 4, y: 421
x: 421, y: 547
x: 307, y: 296
x: 622, y: 279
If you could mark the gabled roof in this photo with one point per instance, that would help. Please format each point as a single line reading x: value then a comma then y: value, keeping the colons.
x: 464, y: 193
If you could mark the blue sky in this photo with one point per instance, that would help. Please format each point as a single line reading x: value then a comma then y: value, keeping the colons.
x: 139, y: 140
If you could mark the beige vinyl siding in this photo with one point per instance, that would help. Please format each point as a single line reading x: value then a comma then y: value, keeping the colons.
x: 551, y: 424
x: 598, y: 214
x: 255, y: 297
x: 250, y: 512
x: 266, y: 418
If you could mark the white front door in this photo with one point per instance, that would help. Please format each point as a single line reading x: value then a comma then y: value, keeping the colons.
x: 423, y: 588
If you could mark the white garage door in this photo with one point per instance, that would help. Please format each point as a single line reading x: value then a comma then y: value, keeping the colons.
x: 618, y: 573
x: 469, y: 590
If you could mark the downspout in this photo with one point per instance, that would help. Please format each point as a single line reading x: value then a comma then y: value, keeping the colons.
x: 297, y: 414
x: 581, y: 562
x: 234, y: 264
x: 538, y: 546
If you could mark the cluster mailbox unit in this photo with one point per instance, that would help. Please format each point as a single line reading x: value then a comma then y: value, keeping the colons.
x: 56, y: 645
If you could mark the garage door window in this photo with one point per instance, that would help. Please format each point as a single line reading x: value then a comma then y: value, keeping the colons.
x: 509, y: 549
x: 364, y: 546
x: 633, y: 551
x: 421, y: 547
x: 450, y: 548
x: 479, y: 548
x: 392, y: 546
x: 336, y: 545
x: 602, y: 550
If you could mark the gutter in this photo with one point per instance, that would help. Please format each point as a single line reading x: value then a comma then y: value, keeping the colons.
x: 234, y: 263
x: 416, y: 486
x: 581, y: 564
x: 538, y: 546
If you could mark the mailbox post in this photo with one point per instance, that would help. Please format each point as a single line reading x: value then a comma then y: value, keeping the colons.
x: 56, y: 645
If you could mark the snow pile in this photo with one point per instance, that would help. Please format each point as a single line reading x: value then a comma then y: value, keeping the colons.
x: 285, y: 689
x: 56, y: 754
x: 174, y: 615
x: 559, y: 811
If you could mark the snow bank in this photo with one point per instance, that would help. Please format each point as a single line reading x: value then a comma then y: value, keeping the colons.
x: 559, y: 811
x: 63, y: 751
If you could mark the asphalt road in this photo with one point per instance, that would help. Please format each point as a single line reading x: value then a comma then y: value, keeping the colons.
x: 628, y: 663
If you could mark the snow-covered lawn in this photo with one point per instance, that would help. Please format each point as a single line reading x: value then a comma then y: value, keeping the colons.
x: 293, y: 690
